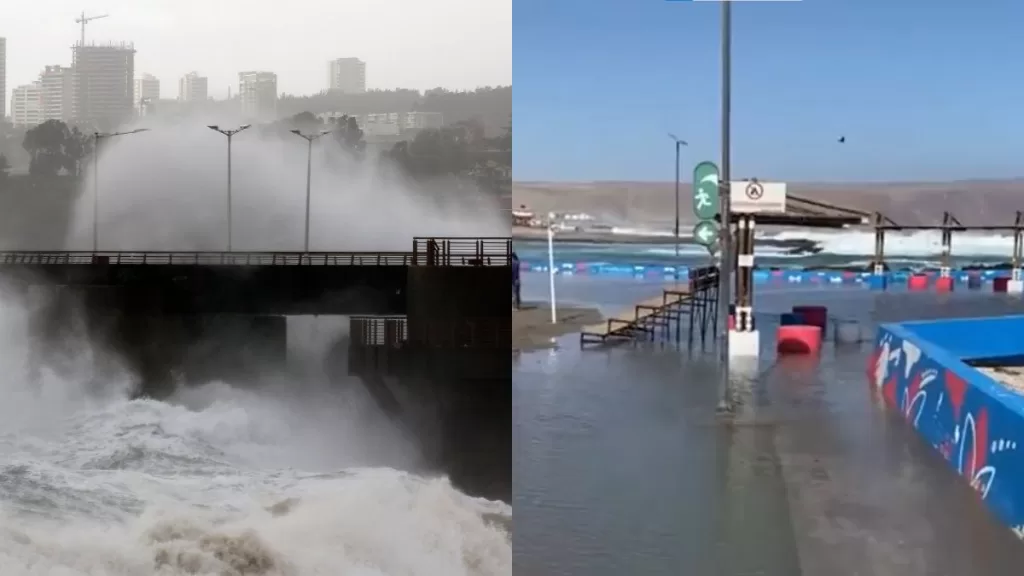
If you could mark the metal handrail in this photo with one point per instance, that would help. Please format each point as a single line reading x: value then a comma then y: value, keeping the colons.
x: 33, y: 257
x: 379, y: 330
x: 374, y: 331
x: 440, y: 251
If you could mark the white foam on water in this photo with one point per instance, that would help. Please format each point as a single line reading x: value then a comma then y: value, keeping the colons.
x: 922, y: 243
x: 218, y: 481
x: 862, y: 242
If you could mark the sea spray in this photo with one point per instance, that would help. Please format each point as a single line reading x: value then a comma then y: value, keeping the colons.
x: 287, y: 478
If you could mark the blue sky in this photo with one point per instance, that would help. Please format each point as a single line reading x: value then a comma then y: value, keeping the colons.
x: 921, y: 90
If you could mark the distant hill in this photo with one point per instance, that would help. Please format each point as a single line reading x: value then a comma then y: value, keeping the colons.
x: 911, y: 203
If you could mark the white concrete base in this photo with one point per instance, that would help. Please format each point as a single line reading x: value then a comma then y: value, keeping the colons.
x: 744, y: 344
x: 1015, y: 287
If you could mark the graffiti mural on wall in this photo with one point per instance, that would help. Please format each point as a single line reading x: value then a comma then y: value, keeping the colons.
x: 976, y: 434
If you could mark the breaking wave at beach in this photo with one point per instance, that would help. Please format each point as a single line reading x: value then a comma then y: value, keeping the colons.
x: 218, y: 481
x: 862, y: 243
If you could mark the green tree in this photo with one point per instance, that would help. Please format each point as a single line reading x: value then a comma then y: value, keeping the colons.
x: 348, y: 134
x: 461, y: 150
x: 47, y: 147
x: 77, y: 146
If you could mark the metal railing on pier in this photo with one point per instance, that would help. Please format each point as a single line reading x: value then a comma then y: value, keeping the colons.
x: 393, y: 331
x: 426, y: 252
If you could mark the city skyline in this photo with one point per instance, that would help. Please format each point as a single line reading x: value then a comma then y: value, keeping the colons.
x: 173, y: 39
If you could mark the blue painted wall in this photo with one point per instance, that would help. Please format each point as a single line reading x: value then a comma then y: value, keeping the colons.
x: 973, y: 338
x: 975, y: 423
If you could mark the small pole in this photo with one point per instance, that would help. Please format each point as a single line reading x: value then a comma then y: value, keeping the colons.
x: 679, y: 144
x: 677, y: 201
x: 95, y: 188
x: 97, y: 136
x: 309, y: 180
x: 230, y: 134
x: 551, y: 267
x: 725, y: 247
x: 309, y: 138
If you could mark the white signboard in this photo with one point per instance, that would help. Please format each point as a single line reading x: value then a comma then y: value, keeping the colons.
x: 756, y: 197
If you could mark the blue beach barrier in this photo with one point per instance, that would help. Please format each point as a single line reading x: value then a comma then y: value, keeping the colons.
x: 821, y: 278
x: 791, y: 319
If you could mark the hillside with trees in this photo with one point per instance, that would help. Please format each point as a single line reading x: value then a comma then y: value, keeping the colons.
x: 490, y: 106
x: 462, y: 151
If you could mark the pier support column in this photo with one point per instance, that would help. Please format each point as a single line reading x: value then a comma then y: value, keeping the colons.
x: 878, y: 280
x: 744, y: 339
x: 1016, y: 283
x: 476, y: 437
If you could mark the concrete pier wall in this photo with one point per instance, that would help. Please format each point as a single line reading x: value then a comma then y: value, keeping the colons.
x: 154, y: 348
x: 975, y: 423
x: 459, y: 305
x: 468, y: 385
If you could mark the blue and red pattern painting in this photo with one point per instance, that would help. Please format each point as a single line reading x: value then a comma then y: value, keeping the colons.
x: 980, y: 436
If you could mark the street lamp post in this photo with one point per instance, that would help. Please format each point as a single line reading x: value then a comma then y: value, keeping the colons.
x: 725, y: 238
x: 229, y: 134
x: 309, y: 138
x: 679, y: 144
x: 96, y: 137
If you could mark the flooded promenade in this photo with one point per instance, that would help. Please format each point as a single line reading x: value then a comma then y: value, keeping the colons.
x: 621, y: 467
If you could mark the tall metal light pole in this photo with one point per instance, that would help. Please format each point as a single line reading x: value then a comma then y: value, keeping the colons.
x: 679, y: 144
x: 725, y: 238
x: 229, y: 134
x: 309, y: 172
x: 96, y: 137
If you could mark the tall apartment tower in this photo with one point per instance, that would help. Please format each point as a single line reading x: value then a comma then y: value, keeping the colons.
x: 27, y: 105
x: 147, y: 92
x: 192, y: 88
x: 3, y: 78
x: 103, y: 84
x: 55, y: 84
x: 258, y: 94
x: 347, y: 75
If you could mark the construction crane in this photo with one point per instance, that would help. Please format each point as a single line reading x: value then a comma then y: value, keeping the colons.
x: 83, y: 20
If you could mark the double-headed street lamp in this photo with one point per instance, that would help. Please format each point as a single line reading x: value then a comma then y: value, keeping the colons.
x: 229, y: 134
x: 97, y: 136
x: 679, y: 145
x: 309, y: 138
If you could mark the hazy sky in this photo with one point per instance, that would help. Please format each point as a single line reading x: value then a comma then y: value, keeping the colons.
x: 458, y: 44
x: 921, y: 89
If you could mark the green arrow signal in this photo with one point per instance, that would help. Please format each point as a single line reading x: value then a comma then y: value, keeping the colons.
x: 705, y: 190
x: 705, y: 233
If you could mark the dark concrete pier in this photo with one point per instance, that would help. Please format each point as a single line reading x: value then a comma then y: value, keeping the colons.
x: 441, y: 310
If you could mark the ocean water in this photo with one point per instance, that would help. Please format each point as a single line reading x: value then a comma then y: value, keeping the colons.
x: 288, y: 477
x: 845, y: 248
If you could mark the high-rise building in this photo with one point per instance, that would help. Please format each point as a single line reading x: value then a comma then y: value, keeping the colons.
x: 55, y: 84
x: 258, y: 94
x: 103, y: 84
x: 147, y: 91
x: 192, y: 88
x: 347, y: 75
x: 27, y: 105
x: 3, y: 78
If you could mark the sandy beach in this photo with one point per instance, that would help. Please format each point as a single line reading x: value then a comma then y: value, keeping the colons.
x: 532, y: 328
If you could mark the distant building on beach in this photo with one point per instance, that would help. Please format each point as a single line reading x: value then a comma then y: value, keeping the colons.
x: 522, y: 217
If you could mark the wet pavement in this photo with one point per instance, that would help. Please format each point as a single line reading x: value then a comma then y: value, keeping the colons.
x: 621, y: 467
